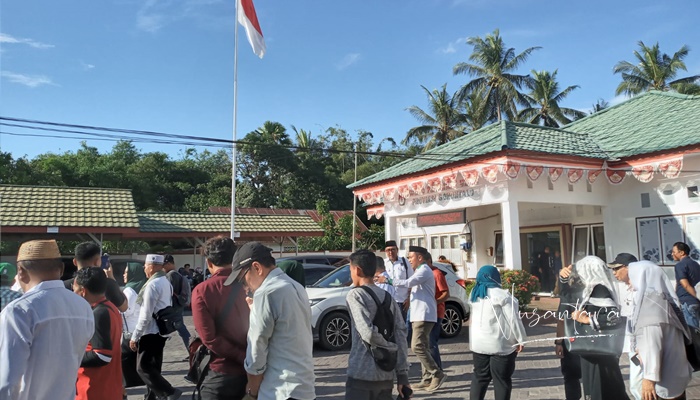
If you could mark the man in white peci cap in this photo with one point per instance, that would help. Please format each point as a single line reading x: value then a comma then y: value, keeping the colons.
x: 154, y: 296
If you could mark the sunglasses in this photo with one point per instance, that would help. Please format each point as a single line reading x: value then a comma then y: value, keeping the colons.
x: 618, y: 268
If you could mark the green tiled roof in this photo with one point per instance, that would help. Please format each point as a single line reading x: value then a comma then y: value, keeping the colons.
x: 647, y: 123
x: 66, y: 207
x: 493, y: 138
x: 154, y: 222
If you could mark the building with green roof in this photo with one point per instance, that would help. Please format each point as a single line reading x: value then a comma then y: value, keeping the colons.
x: 624, y: 179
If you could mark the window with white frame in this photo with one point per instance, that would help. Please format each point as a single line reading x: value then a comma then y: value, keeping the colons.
x: 656, y: 236
x: 588, y: 240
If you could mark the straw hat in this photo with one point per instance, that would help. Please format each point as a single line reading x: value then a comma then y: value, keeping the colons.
x: 38, y: 250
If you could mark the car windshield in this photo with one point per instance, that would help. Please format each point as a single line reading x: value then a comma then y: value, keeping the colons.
x: 338, y: 278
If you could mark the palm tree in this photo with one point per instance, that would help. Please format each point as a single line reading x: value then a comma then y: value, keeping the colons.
x: 544, y: 100
x: 476, y: 111
x: 492, y: 69
x: 441, y: 124
x: 654, y: 71
x: 274, y: 132
x: 304, y: 138
x: 599, y: 105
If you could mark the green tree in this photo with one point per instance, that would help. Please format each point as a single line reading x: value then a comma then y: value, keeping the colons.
x: 654, y: 71
x: 442, y: 123
x: 475, y: 110
x: 599, y: 105
x: 544, y: 100
x: 492, y: 68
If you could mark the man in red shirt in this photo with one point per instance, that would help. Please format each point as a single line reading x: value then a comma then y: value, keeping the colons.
x: 100, y: 373
x: 442, y: 292
x: 223, y: 330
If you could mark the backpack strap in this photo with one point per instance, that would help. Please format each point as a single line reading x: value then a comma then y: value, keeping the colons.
x: 405, y: 266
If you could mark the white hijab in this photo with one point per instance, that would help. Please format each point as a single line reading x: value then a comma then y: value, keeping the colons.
x: 592, y: 272
x: 649, y: 281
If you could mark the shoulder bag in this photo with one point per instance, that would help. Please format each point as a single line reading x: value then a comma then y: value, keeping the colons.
x: 583, y: 340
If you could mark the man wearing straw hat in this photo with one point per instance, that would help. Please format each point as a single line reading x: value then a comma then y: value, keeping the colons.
x: 43, y: 335
x: 154, y: 296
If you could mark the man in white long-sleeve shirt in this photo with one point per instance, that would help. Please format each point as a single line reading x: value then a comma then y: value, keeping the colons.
x: 44, y: 333
x: 398, y: 268
x: 423, y: 316
x: 155, y: 295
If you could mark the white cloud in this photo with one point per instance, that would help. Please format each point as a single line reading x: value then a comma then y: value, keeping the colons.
x: 5, y: 38
x: 86, y: 66
x: 347, y: 61
x: 618, y: 99
x: 31, y: 81
x: 452, y: 46
x: 156, y: 14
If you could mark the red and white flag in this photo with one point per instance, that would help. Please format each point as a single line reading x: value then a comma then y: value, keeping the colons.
x: 249, y: 20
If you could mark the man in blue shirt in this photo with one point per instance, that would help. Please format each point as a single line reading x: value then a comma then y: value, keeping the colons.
x: 687, y: 276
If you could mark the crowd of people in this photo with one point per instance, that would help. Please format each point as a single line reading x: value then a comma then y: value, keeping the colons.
x: 253, y: 334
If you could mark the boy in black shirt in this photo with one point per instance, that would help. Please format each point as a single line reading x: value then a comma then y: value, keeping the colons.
x: 87, y: 254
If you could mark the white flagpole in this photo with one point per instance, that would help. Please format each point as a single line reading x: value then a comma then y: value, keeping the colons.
x: 235, y: 122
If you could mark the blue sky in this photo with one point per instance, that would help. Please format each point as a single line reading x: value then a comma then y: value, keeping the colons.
x: 167, y: 65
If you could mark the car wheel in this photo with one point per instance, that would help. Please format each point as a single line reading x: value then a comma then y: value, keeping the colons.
x: 334, y: 331
x: 452, y: 322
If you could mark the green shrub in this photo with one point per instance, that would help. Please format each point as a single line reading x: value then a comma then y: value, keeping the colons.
x: 469, y: 285
x: 521, y: 284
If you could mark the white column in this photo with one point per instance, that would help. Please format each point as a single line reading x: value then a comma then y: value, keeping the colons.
x: 510, y: 219
x: 390, y: 231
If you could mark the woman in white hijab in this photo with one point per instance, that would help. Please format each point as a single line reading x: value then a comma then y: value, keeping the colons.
x: 598, y: 307
x: 659, y: 333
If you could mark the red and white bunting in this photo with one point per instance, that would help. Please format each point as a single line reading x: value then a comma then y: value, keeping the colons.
x: 417, y: 187
x: 404, y: 191
x: 671, y: 169
x: 450, y: 181
x: 490, y: 173
x: 574, y: 175
x: 593, y: 174
x: 534, y: 172
x: 367, y: 197
x: 390, y: 194
x: 371, y: 213
x: 379, y: 213
x: 644, y: 174
x: 471, y: 177
x: 377, y: 197
x: 435, y: 184
x: 511, y: 169
x: 615, y: 176
x: 555, y: 173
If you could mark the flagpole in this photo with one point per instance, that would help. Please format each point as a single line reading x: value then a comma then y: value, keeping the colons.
x: 235, y: 124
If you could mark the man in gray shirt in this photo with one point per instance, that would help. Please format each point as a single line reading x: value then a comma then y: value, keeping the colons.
x: 280, y: 343
x: 366, y: 380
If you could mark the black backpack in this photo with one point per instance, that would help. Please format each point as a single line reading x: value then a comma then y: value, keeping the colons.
x: 384, y: 321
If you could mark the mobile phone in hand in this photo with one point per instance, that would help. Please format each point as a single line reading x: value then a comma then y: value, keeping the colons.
x: 635, y: 360
x: 105, y: 261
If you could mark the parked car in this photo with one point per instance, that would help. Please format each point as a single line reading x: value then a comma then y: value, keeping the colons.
x: 314, y: 272
x: 316, y: 259
x: 330, y: 320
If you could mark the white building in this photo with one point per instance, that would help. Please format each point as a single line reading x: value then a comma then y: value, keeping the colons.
x: 622, y: 180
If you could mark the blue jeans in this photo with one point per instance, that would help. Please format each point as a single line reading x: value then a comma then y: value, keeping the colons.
x: 185, y: 335
x: 434, y: 336
x: 691, y: 312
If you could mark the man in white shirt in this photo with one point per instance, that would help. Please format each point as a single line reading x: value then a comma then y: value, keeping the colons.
x: 43, y: 335
x: 423, y: 316
x: 154, y: 296
x: 398, y: 268
x: 279, y: 359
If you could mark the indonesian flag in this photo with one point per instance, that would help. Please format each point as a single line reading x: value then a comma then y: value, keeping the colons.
x: 249, y: 20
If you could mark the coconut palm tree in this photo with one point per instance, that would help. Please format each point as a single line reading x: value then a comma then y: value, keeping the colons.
x: 492, y: 70
x: 303, y: 138
x: 654, y: 71
x: 442, y: 123
x: 599, y: 105
x: 544, y: 100
x: 476, y: 111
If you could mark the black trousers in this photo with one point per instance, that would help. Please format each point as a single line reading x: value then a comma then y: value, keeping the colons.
x: 149, y: 361
x: 602, y: 379
x: 571, y: 371
x: 218, y: 386
x: 497, y: 368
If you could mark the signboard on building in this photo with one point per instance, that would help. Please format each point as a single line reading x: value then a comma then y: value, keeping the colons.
x: 443, y: 218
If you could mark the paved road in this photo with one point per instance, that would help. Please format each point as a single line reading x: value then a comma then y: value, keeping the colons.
x: 537, y: 374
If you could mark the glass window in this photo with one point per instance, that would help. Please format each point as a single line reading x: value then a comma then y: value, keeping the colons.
x: 412, y: 242
x: 580, y: 243
x: 454, y: 241
x: 599, y: 242
x: 444, y: 242
x: 434, y: 242
x: 498, y: 253
x: 421, y: 242
x: 403, y: 244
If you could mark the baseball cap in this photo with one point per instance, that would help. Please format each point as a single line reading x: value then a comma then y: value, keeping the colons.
x: 8, y: 270
x: 622, y: 259
x: 245, y: 256
x: 168, y: 259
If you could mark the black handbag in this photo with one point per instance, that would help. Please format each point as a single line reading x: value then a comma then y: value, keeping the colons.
x: 583, y: 340
x: 168, y: 320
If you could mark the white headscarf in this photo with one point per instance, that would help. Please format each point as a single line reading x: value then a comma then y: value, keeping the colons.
x: 649, y: 280
x: 593, y: 272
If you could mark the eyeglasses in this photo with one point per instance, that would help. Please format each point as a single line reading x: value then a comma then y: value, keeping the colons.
x: 618, y: 268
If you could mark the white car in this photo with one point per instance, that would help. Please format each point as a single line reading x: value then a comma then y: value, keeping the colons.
x: 330, y: 320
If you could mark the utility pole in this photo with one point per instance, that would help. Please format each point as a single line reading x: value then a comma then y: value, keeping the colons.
x: 354, y: 205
